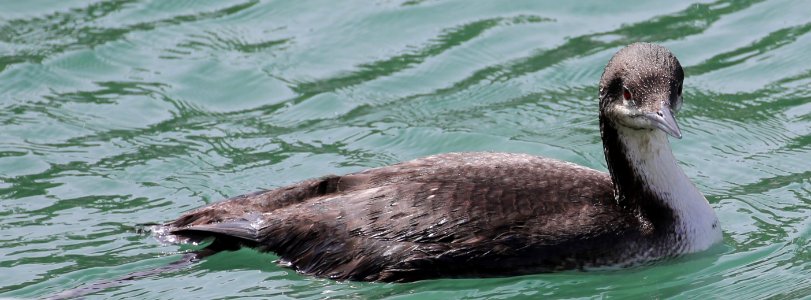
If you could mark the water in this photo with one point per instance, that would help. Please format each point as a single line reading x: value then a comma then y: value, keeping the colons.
x: 114, y: 113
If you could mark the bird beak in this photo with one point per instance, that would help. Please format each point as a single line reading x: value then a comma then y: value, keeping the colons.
x: 665, y: 121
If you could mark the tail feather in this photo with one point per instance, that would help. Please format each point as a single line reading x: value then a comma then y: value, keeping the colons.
x: 236, y: 232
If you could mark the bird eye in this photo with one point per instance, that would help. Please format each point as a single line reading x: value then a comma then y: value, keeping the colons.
x: 626, y: 94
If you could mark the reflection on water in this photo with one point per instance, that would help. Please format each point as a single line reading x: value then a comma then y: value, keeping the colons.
x: 114, y: 113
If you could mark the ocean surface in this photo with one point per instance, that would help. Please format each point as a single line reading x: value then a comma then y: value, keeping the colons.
x: 115, y: 113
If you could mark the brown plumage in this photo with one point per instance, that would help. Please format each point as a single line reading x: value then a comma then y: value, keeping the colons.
x: 471, y: 214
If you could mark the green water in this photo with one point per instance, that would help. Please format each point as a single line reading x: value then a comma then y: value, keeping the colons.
x: 114, y: 113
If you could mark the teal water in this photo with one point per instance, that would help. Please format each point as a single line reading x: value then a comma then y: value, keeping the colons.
x: 114, y: 113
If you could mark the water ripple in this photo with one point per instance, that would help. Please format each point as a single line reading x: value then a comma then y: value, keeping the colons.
x: 115, y: 113
x: 65, y: 31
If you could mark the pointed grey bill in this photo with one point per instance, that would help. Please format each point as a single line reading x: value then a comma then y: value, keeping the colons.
x: 665, y: 121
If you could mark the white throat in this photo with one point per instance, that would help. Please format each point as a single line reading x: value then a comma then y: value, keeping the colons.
x: 649, y: 154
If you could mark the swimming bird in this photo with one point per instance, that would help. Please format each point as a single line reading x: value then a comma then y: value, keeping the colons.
x: 489, y: 214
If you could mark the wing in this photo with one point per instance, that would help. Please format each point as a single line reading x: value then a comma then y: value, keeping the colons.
x: 447, y: 215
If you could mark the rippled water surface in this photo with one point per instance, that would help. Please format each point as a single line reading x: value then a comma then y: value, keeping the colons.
x: 114, y: 113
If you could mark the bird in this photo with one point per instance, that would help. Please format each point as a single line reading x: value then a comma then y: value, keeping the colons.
x: 488, y: 214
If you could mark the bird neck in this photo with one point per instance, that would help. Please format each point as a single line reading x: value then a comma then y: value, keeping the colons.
x: 648, y: 180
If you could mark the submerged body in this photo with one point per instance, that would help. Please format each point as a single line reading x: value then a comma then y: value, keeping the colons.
x: 489, y: 214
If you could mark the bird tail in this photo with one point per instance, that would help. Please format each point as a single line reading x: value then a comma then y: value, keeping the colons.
x: 228, y: 235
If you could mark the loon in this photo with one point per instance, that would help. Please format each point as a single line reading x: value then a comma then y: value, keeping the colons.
x: 489, y: 214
